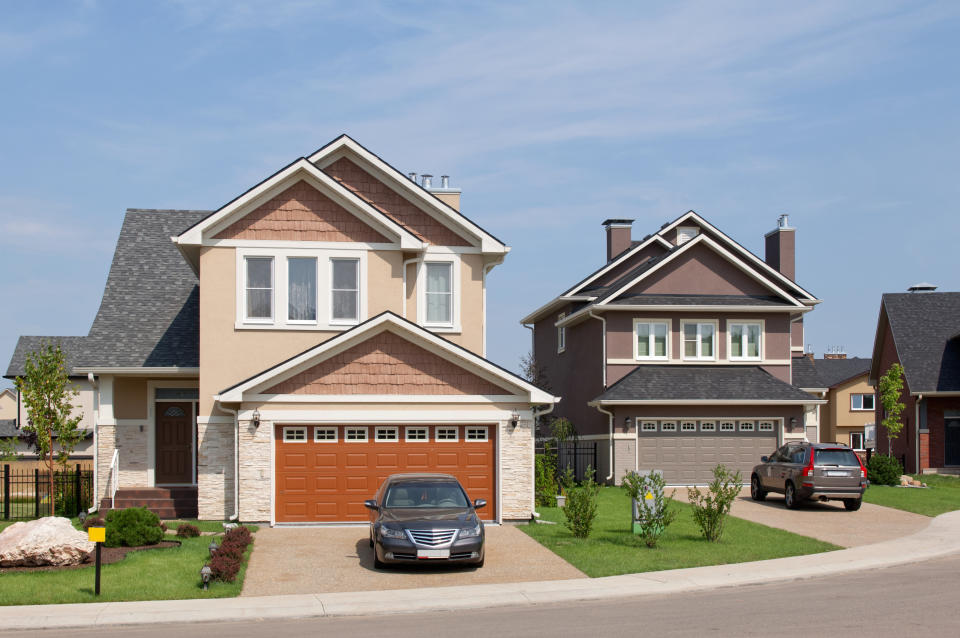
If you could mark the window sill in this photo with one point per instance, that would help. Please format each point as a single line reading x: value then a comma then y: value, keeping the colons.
x: 447, y: 329
x: 293, y: 327
x: 739, y: 359
x: 650, y: 359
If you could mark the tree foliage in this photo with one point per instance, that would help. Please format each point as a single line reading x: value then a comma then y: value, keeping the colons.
x: 890, y: 386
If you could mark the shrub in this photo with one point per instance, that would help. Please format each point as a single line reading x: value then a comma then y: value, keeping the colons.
x: 226, y: 562
x: 93, y: 521
x: 545, y: 477
x: 186, y: 530
x: 224, y: 567
x: 133, y: 527
x: 710, y: 509
x: 567, y: 480
x: 653, y: 513
x: 239, y: 533
x: 884, y: 470
x: 581, y: 506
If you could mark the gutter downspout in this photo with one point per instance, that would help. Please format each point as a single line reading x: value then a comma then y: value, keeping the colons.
x: 603, y: 362
x: 609, y: 414
x: 403, y: 267
x: 96, y: 437
x: 236, y: 460
x: 916, y: 420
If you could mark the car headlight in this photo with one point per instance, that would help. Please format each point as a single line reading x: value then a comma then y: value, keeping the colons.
x: 472, y: 532
x: 389, y: 532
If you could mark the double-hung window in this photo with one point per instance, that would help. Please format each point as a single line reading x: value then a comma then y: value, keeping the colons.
x: 699, y: 341
x: 439, y: 293
x: 745, y: 339
x: 651, y: 339
x: 861, y: 402
x: 258, y: 289
x: 344, y: 290
x: 302, y: 289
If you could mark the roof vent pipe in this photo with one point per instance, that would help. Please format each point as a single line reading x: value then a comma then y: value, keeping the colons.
x: 427, y: 181
x: 783, y: 221
x: 922, y: 287
x: 444, y: 181
x: 413, y: 177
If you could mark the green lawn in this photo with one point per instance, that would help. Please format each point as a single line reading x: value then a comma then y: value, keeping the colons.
x: 203, y: 526
x: 612, y: 549
x: 154, y: 574
x: 942, y: 495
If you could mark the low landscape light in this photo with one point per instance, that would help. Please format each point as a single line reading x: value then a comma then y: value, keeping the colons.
x: 213, y: 547
x: 205, y: 574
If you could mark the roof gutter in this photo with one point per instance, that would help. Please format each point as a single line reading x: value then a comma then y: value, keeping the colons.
x: 614, y: 402
x: 140, y: 370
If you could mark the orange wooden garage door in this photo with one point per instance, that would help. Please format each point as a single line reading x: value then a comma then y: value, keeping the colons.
x: 324, y: 473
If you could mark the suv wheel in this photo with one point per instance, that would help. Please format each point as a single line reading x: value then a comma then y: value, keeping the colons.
x: 757, y: 493
x: 852, y: 504
x: 790, y: 497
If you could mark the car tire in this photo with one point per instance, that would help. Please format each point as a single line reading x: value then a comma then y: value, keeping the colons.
x: 852, y: 504
x: 790, y: 497
x: 757, y: 493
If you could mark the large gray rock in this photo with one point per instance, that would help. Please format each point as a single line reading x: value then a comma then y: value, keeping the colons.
x: 45, y: 541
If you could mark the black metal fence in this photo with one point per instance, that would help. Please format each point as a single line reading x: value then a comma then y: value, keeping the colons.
x: 26, y: 493
x: 578, y: 455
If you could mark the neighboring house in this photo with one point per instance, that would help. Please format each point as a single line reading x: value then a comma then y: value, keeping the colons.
x: 339, y: 338
x: 920, y: 330
x: 844, y: 384
x: 15, y: 415
x: 8, y: 404
x: 677, y: 353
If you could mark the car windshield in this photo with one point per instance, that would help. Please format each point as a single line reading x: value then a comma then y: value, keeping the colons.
x: 837, y: 456
x: 425, y: 495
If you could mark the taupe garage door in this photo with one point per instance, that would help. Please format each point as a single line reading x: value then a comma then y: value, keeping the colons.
x: 686, y: 451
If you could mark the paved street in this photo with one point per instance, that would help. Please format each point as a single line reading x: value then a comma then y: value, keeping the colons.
x: 901, y: 601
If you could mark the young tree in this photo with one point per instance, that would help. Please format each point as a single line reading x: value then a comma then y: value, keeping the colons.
x: 46, y: 393
x: 890, y: 386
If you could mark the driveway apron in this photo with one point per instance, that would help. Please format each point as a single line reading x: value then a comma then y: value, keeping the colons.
x: 302, y: 560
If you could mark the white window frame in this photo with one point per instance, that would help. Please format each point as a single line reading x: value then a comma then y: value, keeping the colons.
x: 347, y: 430
x: 476, y: 428
x: 330, y: 318
x: 316, y: 305
x: 708, y: 426
x: 456, y: 434
x: 454, y: 324
x: 326, y: 429
x: 688, y: 426
x: 292, y: 429
x: 760, y: 346
x: 648, y: 426
x: 391, y: 430
x: 732, y: 426
x: 765, y: 426
x: 861, y: 395
x: 636, y: 346
x: 273, y: 289
x: 863, y: 440
x: 668, y: 426
x: 407, y: 430
x: 561, y: 334
x: 747, y: 426
x: 698, y: 323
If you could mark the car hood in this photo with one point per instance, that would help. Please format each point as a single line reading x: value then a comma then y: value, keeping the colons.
x: 426, y: 518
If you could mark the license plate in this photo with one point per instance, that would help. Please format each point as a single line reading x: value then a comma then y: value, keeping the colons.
x: 433, y: 553
x: 834, y: 473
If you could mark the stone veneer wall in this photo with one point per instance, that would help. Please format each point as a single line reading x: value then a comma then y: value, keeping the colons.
x: 215, y: 470
x: 516, y: 462
x: 132, y: 444
x: 256, y: 482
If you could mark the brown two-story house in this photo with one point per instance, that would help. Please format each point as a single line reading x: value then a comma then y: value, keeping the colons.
x: 677, y: 353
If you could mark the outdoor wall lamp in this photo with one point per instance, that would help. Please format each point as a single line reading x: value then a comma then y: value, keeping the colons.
x: 626, y: 422
x: 793, y: 421
x: 514, y: 419
x: 205, y: 574
x: 256, y: 418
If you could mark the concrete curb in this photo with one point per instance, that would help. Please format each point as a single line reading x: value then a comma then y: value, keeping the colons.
x: 940, y: 538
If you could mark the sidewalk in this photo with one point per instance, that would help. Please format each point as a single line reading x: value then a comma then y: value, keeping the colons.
x: 940, y: 538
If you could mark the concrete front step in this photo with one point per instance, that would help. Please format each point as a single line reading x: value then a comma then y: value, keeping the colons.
x: 172, y: 502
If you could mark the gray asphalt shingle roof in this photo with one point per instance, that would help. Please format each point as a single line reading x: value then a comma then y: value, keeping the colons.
x: 714, y: 383
x: 8, y: 428
x: 149, y: 314
x: 925, y: 328
x: 805, y: 373
x: 834, y: 371
x: 699, y: 300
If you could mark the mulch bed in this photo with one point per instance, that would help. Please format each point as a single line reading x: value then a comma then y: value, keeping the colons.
x: 107, y: 555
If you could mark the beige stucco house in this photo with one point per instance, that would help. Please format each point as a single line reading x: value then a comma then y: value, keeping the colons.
x: 843, y: 383
x: 275, y: 359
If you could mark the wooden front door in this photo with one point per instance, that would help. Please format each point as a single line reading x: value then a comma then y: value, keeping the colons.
x: 174, y: 443
x: 951, y: 443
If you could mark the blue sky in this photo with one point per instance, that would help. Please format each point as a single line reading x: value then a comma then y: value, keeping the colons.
x: 550, y: 116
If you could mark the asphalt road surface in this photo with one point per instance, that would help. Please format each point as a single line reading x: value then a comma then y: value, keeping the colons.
x: 904, y: 601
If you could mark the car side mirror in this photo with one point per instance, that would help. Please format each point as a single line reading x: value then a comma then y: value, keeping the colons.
x: 764, y: 459
x: 477, y: 504
x: 371, y: 504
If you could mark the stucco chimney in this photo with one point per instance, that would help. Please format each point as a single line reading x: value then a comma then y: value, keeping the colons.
x: 445, y: 193
x: 618, y: 236
x: 781, y: 248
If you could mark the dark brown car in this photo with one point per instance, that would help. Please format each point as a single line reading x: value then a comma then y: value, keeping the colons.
x: 801, y: 471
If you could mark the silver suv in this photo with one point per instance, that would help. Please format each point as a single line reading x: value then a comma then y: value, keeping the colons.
x: 801, y: 470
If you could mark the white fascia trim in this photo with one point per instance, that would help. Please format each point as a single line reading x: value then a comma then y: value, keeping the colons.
x: 934, y: 394
x: 334, y: 150
x: 553, y: 305
x: 165, y: 372
x: 356, y: 417
x: 616, y: 262
x: 723, y: 252
x: 373, y: 326
x: 385, y: 398
x: 699, y: 362
x: 301, y: 169
x: 287, y: 244
x: 659, y: 308
x: 704, y: 402
x: 815, y: 389
x: 700, y: 220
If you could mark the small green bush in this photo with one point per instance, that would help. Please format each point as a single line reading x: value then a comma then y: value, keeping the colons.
x: 133, y: 527
x: 545, y: 477
x: 186, y: 530
x: 654, y: 514
x: 884, y: 470
x: 710, y: 509
x: 581, y: 506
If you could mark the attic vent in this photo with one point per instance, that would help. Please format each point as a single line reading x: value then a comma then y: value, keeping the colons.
x: 686, y: 233
x: 922, y: 287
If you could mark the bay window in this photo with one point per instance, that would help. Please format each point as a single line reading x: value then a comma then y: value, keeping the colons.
x: 698, y: 341
x: 651, y: 338
x: 745, y: 338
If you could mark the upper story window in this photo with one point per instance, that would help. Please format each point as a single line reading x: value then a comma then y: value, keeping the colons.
x: 439, y: 293
x: 699, y: 341
x: 861, y: 402
x: 258, y: 289
x: 561, y: 334
x: 745, y: 339
x: 302, y: 289
x: 345, y: 290
x: 651, y: 339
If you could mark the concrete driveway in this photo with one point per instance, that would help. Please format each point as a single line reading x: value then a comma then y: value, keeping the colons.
x: 828, y: 521
x: 304, y: 560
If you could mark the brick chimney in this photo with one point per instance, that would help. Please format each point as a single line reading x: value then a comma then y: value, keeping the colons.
x: 836, y: 352
x: 618, y: 236
x: 781, y: 248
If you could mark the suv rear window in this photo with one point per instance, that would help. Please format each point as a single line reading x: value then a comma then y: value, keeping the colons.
x: 837, y: 456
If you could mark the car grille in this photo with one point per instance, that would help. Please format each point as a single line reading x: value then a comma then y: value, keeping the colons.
x: 432, y: 537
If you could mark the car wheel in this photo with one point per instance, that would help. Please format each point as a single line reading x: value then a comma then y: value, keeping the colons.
x: 377, y: 563
x: 371, y: 537
x: 852, y: 504
x: 756, y: 492
x: 790, y: 497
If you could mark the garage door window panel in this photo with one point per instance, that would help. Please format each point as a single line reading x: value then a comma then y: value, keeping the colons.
x: 728, y: 426
x: 747, y: 426
x: 708, y: 426
x: 668, y: 426
x: 295, y: 435
x: 648, y: 426
x: 387, y: 434
x: 476, y: 434
x: 766, y: 426
x: 416, y: 435
x: 688, y: 426
x: 699, y: 341
x: 651, y: 340
x: 355, y: 435
x: 325, y: 435
x: 448, y: 434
